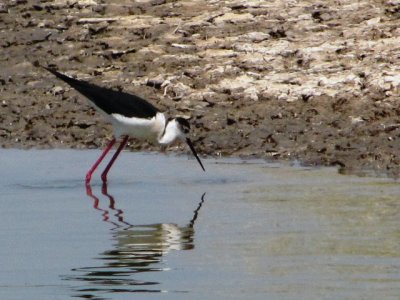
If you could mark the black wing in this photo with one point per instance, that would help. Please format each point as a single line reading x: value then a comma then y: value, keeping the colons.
x: 110, y: 101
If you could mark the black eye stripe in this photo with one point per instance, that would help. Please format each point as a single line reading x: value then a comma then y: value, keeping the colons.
x: 183, y: 124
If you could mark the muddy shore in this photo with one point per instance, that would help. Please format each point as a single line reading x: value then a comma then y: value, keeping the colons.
x: 300, y: 80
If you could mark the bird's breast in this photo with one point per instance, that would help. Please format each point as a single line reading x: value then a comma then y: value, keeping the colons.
x: 138, y: 128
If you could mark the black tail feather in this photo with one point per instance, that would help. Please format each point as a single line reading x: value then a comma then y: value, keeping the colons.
x: 108, y: 100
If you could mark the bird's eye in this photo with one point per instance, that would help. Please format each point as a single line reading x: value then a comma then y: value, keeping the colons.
x: 183, y: 124
x: 185, y: 129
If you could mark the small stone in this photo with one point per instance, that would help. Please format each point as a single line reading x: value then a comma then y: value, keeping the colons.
x: 155, y: 82
x: 356, y: 120
x: 57, y: 90
x: 234, y: 18
x: 3, y: 8
x: 96, y: 20
x: 183, y: 46
x: 255, y: 36
x: 39, y: 36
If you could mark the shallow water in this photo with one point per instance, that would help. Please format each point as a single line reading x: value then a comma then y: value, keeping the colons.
x: 164, y: 228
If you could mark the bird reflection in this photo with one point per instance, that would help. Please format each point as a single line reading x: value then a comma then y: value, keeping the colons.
x: 137, y: 249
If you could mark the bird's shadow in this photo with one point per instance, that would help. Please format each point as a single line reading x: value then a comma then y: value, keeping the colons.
x: 136, y: 249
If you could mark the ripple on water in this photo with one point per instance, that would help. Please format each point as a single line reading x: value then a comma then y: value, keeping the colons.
x: 51, y: 184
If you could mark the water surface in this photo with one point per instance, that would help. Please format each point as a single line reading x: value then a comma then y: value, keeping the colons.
x: 164, y: 228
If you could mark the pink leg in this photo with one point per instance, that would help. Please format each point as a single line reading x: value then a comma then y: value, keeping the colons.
x: 96, y: 164
x: 121, y: 146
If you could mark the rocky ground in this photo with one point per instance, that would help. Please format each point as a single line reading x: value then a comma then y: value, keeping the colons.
x: 281, y: 79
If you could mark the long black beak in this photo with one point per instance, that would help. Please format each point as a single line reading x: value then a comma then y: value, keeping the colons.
x: 189, y: 142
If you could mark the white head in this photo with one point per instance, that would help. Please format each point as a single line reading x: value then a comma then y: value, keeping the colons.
x: 178, y: 129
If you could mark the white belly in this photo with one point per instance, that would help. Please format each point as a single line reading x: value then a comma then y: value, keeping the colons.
x: 144, y: 129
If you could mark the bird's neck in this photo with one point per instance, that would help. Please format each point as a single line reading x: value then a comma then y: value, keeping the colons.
x: 159, y: 125
x: 170, y: 134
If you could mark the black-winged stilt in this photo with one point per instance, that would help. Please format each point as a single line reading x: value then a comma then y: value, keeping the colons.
x: 131, y: 116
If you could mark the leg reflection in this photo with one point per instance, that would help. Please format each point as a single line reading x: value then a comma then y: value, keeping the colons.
x: 112, y: 205
x: 119, y: 212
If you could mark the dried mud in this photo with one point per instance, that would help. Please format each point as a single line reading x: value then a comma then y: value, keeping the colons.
x: 300, y: 80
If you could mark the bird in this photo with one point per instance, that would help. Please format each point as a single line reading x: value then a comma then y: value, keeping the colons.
x: 131, y: 117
